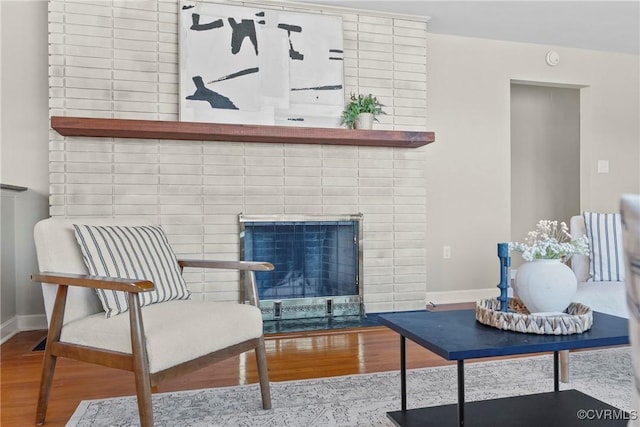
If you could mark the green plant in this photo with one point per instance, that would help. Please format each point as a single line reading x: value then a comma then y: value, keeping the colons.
x: 361, y: 104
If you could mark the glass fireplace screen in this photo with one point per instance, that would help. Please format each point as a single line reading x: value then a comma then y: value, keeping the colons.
x: 317, y: 259
x: 311, y: 258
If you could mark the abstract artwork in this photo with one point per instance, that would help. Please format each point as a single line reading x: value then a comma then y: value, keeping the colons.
x: 260, y: 66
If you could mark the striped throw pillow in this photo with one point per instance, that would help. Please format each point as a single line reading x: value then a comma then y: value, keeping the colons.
x: 131, y: 252
x: 606, y: 258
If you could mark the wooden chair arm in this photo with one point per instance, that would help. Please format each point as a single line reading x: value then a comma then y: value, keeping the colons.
x: 98, y: 282
x: 249, y: 291
x: 230, y: 265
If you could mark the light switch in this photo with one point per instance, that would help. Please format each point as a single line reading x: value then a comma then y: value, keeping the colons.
x: 603, y: 166
x: 446, y: 252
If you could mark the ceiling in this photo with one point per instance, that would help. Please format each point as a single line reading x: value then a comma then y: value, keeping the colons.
x: 598, y: 25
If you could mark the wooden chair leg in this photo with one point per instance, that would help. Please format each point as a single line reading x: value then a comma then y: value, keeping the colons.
x: 48, y: 366
x: 143, y: 394
x: 140, y: 363
x: 564, y: 366
x: 49, y: 361
x: 263, y: 374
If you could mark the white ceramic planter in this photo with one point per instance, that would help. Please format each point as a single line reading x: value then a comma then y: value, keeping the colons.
x: 364, y: 121
x: 545, y: 285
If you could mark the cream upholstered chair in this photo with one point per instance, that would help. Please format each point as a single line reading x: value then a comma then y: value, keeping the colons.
x: 630, y: 210
x: 157, y: 341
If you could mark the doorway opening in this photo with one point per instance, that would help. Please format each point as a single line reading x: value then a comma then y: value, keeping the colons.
x: 545, y: 155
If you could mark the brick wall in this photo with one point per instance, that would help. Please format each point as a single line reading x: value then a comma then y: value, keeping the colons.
x: 120, y: 59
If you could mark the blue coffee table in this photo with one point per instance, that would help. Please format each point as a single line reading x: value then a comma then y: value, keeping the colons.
x: 456, y: 335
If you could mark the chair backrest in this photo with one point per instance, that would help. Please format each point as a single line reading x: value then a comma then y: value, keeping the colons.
x: 579, y: 263
x: 59, y: 252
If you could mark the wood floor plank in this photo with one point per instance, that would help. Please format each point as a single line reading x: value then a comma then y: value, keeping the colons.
x: 290, y: 357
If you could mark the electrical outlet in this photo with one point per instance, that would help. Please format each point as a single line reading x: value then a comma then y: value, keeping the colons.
x: 446, y: 252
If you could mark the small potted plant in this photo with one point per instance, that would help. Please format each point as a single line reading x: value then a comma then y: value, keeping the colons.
x: 361, y: 111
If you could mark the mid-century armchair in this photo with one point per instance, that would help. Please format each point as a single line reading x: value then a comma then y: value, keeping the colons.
x: 630, y: 210
x: 157, y: 341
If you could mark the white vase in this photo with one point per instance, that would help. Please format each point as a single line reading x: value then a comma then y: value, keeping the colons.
x: 545, y: 285
x: 364, y: 121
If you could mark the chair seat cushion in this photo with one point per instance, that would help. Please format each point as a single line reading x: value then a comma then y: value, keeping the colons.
x: 175, y: 331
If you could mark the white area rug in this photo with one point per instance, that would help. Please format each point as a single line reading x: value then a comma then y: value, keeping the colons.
x: 363, y: 400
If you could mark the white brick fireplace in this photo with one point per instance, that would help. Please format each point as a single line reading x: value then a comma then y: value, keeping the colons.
x: 120, y: 60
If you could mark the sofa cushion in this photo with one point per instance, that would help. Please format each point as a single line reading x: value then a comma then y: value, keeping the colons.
x: 604, y: 232
x: 605, y: 297
x: 175, y: 331
x: 132, y: 252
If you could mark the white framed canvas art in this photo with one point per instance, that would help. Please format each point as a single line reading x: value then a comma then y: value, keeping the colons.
x: 251, y: 65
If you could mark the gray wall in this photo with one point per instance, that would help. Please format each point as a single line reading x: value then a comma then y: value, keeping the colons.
x: 25, y: 108
x: 545, y: 156
x: 21, y: 299
x: 24, y: 158
x: 7, y: 260
x: 468, y: 174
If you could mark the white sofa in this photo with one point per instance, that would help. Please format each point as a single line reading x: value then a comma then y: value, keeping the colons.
x: 605, y: 297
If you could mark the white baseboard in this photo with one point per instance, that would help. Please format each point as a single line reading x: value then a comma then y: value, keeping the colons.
x: 31, y: 322
x: 467, y: 295
x: 8, y: 329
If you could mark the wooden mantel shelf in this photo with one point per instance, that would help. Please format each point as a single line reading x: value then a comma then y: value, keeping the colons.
x: 191, y: 131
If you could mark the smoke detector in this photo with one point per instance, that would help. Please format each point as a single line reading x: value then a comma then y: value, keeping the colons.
x: 552, y: 58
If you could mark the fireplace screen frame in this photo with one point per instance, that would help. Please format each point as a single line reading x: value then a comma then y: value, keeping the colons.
x: 314, y: 307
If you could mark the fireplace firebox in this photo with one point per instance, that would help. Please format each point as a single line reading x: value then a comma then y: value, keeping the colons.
x: 317, y: 261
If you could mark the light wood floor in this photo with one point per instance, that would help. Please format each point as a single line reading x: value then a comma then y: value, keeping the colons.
x: 290, y: 356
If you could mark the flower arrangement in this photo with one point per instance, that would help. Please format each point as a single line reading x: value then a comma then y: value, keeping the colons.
x: 361, y: 104
x: 550, y: 240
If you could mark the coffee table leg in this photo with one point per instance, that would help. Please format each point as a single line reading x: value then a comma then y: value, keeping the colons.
x: 556, y: 371
x: 460, y: 393
x: 403, y: 372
